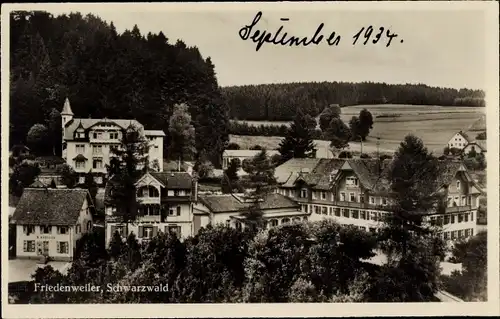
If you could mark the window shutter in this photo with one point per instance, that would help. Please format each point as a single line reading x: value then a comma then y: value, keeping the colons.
x: 141, y: 231
x: 155, y: 231
x: 178, y: 211
x: 25, y: 245
x: 178, y: 231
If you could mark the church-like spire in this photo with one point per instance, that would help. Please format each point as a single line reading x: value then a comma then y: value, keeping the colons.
x: 67, y: 108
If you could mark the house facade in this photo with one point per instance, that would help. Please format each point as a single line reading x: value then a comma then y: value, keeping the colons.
x: 228, y: 209
x: 459, y: 140
x: 87, y: 143
x: 166, y: 202
x: 50, y: 221
x: 355, y: 192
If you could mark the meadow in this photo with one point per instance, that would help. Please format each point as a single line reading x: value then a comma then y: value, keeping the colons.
x: 435, y: 125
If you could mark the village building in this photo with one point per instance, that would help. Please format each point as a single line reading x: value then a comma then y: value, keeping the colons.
x: 459, y: 140
x: 478, y: 146
x: 165, y: 204
x: 48, y: 222
x: 87, y: 143
x: 229, y: 209
x: 356, y: 192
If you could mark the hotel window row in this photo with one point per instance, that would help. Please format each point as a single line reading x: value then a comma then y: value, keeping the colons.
x: 458, y: 234
x: 346, y: 213
x: 452, y: 219
x: 30, y: 229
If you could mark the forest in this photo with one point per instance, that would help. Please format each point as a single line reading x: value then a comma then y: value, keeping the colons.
x: 279, y: 102
x: 107, y: 74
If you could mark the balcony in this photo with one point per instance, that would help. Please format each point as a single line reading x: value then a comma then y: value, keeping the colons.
x: 149, y: 200
x: 458, y: 209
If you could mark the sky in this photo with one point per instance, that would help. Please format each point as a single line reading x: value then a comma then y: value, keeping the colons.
x: 440, y: 48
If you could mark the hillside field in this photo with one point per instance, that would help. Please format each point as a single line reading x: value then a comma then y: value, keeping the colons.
x: 435, y: 125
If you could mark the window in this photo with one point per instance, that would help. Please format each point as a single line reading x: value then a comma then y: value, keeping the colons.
x: 355, y: 214
x: 178, y: 211
x: 113, y: 135
x: 472, y: 231
x: 80, y: 148
x: 80, y: 165
x: 97, y: 135
x: 464, y: 200
x: 147, y: 231
x: 175, y: 229
x: 363, y: 214
x: 29, y: 246
x: 274, y: 222
x: 77, y: 229
x: 62, y: 230
x: 89, y: 225
x: 452, y: 219
x: 467, y: 232
x: 323, y: 195
x: 454, y: 234
x: 345, y: 213
x: 98, y: 179
x: 337, y: 211
x: 120, y: 229
x: 303, y: 193
x: 352, y: 198
x: 305, y: 218
x: 361, y: 198
x: 304, y: 208
x: 316, y: 209
x: 472, y: 216
x: 238, y: 226
x: 458, y: 184
x: 460, y: 218
x: 97, y: 164
x: 342, y: 197
x: 466, y: 216
x: 28, y: 229
x: 285, y: 220
x: 45, y: 229
x: 81, y: 180
x: 97, y: 149
x: 372, y: 200
x: 460, y: 233
x: 446, y: 235
x: 324, y: 210
x: 384, y: 201
x: 446, y: 219
x: 373, y: 215
x: 330, y: 212
x: 62, y: 247
x: 351, y: 181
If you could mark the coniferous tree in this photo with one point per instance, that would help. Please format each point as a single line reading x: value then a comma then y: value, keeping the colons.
x: 182, y: 134
x: 116, y: 246
x: 298, y: 142
x: 130, y: 158
x: 261, y: 175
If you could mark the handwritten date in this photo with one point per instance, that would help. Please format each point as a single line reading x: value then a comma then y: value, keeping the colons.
x: 368, y: 34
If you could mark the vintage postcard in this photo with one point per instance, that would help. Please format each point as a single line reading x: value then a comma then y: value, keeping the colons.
x: 250, y: 159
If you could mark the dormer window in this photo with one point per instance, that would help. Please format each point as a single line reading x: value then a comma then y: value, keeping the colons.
x: 351, y: 181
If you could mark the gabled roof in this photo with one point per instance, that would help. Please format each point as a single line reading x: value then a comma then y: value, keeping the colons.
x: 41, y: 206
x: 234, y: 202
x: 287, y: 172
x: 466, y: 136
x: 372, y: 174
x: 72, y: 125
x: 174, y: 180
x: 480, y: 143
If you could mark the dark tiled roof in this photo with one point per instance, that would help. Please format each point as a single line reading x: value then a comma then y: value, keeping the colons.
x: 174, y: 180
x: 466, y: 136
x: 286, y: 171
x: 40, y: 206
x: 373, y: 174
x: 72, y: 125
x: 234, y: 202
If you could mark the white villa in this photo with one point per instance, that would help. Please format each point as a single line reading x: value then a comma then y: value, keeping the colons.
x: 87, y: 142
x: 166, y: 203
x: 50, y: 221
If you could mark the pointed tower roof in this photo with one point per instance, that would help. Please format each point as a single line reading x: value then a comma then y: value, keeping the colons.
x: 66, y: 108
